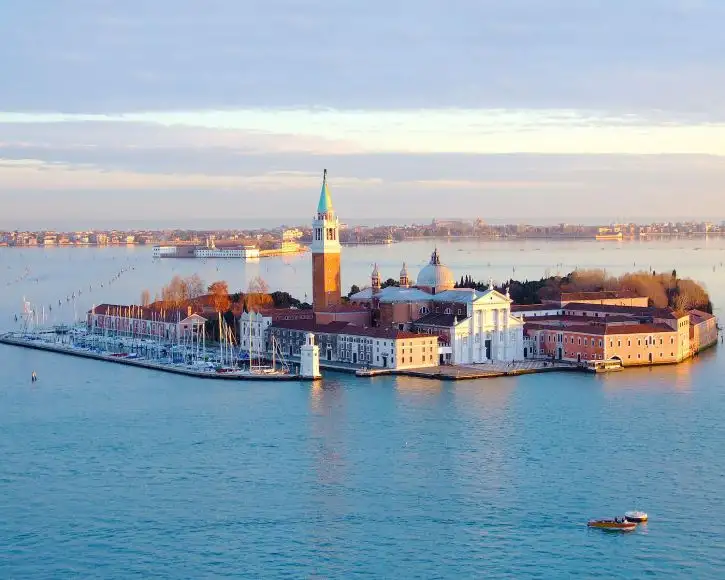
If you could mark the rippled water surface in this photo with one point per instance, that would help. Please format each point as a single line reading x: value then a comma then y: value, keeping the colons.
x: 116, y: 472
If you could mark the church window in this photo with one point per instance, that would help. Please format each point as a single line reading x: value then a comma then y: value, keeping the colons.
x: 447, y: 311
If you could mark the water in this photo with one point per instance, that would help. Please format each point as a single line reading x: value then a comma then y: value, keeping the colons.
x: 114, y: 472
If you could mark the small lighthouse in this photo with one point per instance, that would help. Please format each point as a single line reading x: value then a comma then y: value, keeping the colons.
x: 310, y: 358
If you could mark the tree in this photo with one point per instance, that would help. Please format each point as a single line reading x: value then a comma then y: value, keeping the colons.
x: 145, y: 298
x: 257, y: 285
x: 174, y: 293
x: 284, y: 300
x: 354, y: 289
x: 194, y: 286
x: 219, y: 292
x: 389, y: 282
x: 256, y: 301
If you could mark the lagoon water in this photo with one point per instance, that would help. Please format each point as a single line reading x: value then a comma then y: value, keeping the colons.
x: 115, y: 472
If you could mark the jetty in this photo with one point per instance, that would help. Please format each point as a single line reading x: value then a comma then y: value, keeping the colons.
x: 466, y: 372
x: 38, y: 343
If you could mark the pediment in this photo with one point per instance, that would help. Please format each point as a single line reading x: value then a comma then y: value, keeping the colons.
x: 493, y: 298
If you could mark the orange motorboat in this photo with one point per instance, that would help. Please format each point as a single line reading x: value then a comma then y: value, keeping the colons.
x: 615, y: 525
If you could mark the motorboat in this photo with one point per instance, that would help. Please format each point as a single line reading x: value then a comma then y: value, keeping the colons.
x: 615, y: 525
x: 635, y: 516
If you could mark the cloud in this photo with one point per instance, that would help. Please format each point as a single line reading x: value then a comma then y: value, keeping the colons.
x: 417, y: 107
x: 386, y: 186
x: 218, y: 54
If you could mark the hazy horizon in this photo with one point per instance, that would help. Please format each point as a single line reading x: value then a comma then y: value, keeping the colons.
x: 565, y: 110
x: 51, y: 224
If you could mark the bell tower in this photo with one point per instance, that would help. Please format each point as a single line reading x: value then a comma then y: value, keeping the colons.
x: 325, y: 248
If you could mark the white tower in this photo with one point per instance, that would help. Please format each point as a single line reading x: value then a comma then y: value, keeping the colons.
x: 310, y: 358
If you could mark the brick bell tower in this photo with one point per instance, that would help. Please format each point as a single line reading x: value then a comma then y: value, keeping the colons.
x: 325, y: 253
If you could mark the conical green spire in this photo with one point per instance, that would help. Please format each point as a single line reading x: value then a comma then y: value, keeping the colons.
x: 325, y: 204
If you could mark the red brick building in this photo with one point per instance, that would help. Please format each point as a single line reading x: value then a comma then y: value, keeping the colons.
x: 631, y: 335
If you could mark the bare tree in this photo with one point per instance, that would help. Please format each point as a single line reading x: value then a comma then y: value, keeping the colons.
x: 145, y: 298
x: 175, y: 292
x: 194, y: 286
x: 257, y: 285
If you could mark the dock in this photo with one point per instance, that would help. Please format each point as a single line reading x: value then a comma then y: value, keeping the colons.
x: 453, y: 372
x: 467, y: 372
x: 147, y: 364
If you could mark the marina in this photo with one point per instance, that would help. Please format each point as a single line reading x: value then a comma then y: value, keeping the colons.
x: 131, y: 359
x: 184, y: 353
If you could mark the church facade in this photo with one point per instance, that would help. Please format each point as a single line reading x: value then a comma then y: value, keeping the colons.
x: 472, y: 326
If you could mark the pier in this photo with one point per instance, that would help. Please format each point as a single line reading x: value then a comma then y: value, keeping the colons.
x: 38, y: 344
x: 454, y: 372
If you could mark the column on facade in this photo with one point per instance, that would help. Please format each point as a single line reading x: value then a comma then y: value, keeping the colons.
x: 506, y: 337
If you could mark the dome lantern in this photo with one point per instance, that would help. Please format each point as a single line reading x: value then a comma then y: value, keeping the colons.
x: 435, y: 277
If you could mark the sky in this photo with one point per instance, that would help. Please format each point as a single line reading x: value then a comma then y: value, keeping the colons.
x: 506, y: 110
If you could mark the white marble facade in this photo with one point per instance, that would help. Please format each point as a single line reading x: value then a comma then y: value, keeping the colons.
x: 488, y: 332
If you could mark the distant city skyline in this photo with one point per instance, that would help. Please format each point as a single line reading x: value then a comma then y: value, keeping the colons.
x: 512, y: 111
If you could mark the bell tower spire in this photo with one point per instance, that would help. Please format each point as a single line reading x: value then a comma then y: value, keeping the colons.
x: 326, y: 288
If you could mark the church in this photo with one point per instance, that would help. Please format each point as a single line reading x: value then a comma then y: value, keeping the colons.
x: 471, y: 326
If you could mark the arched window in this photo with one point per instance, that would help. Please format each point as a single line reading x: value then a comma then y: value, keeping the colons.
x: 423, y: 310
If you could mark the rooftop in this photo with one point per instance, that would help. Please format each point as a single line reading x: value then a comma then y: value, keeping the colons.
x: 447, y: 320
x: 393, y: 294
x: 533, y: 307
x: 699, y: 316
x: 626, y: 310
x: 341, y: 327
x: 143, y: 313
x: 285, y: 313
x: 601, y: 329
x: 601, y: 295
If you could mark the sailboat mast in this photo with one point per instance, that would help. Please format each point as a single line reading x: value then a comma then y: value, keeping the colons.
x: 221, y: 346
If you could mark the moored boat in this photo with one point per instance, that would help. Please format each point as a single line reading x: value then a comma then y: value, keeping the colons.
x: 635, y: 516
x: 615, y: 525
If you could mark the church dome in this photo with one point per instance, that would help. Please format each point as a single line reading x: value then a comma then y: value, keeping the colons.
x: 435, y: 275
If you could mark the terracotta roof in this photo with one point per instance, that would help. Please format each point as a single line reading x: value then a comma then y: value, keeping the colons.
x: 341, y: 327
x: 433, y: 319
x: 643, y: 311
x: 529, y: 307
x: 344, y: 308
x: 286, y: 313
x: 142, y: 313
x: 601, y: 295
x: 604, y: 329
x: 566, y: 318
x: 698, y: 316
x: 639, y: 329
